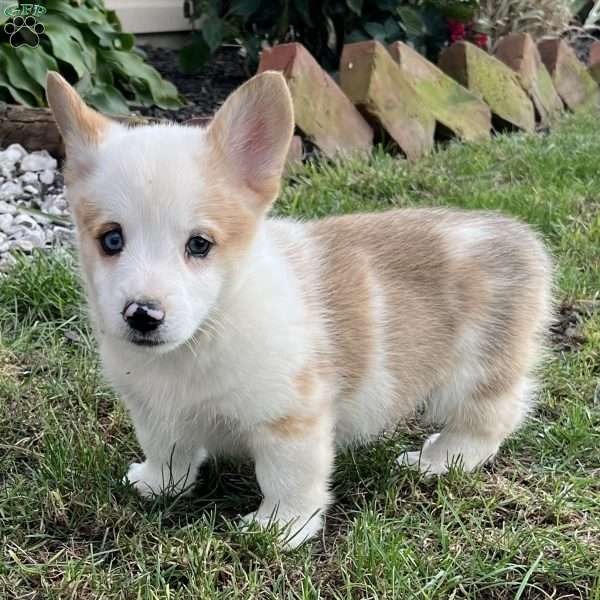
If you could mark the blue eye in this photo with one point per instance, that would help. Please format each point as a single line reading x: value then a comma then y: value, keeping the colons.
x: 198, y: 246
x: 112, y: 241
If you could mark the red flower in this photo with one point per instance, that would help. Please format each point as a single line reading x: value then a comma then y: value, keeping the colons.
x: 457, y: 29
x: 481, y: 40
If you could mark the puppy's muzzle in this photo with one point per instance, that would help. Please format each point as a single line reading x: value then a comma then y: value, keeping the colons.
x: 143, y: 316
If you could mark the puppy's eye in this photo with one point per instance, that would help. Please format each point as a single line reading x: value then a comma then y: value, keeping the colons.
x: 112, y: 241
x: 198, y: 246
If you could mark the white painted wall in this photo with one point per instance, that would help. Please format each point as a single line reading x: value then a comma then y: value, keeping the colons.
x: 150, y: 16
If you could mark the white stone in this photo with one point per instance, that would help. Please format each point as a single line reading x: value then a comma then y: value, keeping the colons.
x: 38, y: 161
x: 10, y: 190
x: 28, y: 178
x: 25, y: 221
x: 17, y: 151
x: 36, y: 236
x: 7, y: 209
x: 22, y: 244
x: 64, y: 235
x: 47, y: 177
x: 31, y: 190
x: 6, y: 222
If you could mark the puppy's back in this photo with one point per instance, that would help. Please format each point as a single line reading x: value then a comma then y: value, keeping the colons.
x: 412, y: 296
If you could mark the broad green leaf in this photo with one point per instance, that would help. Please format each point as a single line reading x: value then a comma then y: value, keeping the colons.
x: 67, y: 49
x: 132, y: 65
x: 194, y: 56
x: 107, y: 99
x: 393, y: 31
x: 331, y: 34
x: 212, y: 32
x: 19, y: 96
x: 358, y: 35
x: 111, y: 38
x: 18, y: 76
x: 376, y: 31
x: 84, y: 85
x: 141, y: 93
x: 355, y: 6
x: 36, y: 62
x: 244, y: 8
x: 66, y: 27
x: 412, y: 21
x: 80, y: 14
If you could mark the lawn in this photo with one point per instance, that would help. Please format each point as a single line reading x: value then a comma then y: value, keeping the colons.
x: 527, y: 526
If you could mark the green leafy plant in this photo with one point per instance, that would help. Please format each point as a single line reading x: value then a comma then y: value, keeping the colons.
x: 323, y: 27
x: 84, y: 42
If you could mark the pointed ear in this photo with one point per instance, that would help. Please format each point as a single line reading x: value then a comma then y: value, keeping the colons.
x: 78, y: 124
x: 251, y: 133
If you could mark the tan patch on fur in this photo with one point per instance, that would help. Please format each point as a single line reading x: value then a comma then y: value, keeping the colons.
x: 293, y: 426
x: 431, y: 291
x: 235, y: 223
x: 87, y: 217
x: 305, y: 383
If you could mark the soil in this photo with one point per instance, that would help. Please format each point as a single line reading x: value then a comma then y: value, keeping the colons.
x: 204, y: 90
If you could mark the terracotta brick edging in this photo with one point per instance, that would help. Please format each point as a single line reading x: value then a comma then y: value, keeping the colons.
x: 322, y: 111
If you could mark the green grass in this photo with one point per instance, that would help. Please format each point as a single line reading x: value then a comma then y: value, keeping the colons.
x: 527, y: 526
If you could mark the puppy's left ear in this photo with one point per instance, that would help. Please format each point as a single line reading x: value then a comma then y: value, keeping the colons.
x: 251, y: 134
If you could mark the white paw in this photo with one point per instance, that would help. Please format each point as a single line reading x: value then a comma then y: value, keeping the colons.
x: 292, y: 529
x: 151, y: 480
x: 440, y: 451
x: 422, y: 459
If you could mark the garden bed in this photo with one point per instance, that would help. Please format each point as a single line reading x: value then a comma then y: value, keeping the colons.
x: 205, y: 90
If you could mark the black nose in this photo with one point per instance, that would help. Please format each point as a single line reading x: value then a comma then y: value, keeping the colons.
x: 143, y: 316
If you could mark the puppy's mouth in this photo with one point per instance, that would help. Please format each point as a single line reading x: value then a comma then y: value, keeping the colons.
x: 145, y: 341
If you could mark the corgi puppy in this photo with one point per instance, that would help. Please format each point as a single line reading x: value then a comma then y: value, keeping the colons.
x: 226, y: 331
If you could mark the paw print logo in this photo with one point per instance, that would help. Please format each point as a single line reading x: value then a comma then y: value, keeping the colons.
x: 24, y: 31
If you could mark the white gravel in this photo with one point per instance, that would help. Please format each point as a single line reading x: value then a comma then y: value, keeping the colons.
x: 33, y: 209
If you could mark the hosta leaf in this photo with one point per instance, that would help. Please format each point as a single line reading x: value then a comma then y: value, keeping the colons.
x: 107, y: 99
x: 111, y: 38
x: 19, y: 96
x: 195, y: 55
x: 80, y: 14
x: 67, y: 49
x: 131, y: 65
x: 376, y: 31
x: 36, y: 62
x: 18, y: 76
x: 244, y: 8
x: 355, y: 6
x: 66, y: 27
x: 412, y: 21
x: 212, y: 32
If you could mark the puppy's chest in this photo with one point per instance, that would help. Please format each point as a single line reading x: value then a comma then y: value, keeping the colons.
x: 235, y: 384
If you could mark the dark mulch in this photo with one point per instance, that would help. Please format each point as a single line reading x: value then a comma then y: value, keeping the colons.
x: 566, y: 332
x: 205, y: 90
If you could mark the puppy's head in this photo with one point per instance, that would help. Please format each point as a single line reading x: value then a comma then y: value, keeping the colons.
x: 166, y: 215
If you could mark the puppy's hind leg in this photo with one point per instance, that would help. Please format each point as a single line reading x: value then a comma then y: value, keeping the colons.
x: 475, y: 426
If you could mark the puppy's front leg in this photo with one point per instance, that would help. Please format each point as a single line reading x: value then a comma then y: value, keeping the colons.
x: 173, y: 456
x: 294, y: 460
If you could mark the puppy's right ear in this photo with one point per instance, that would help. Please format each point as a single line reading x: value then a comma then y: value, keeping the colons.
x: 79, y: 125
